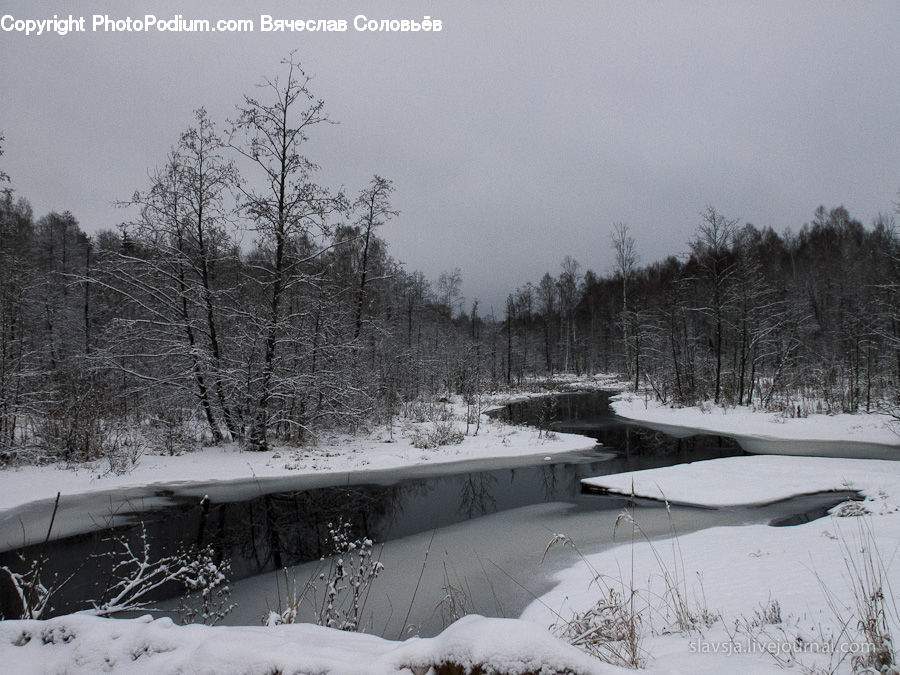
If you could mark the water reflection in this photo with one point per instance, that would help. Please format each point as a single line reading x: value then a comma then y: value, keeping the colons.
x: 477, y: 495
x: 589, y: 414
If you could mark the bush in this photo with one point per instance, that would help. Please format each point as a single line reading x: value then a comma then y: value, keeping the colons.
x: 77, y: 425
x: 339, y: 593
x: 440, y: 433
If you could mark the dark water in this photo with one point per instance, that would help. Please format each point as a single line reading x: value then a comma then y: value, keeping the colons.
x: 589, y: 414
x: 279, y: 529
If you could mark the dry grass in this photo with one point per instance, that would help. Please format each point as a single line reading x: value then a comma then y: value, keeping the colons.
x: 612, y: 629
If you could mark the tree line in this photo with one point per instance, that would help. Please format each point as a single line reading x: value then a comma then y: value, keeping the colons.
x: 796, y: 322
x: 174, y: 321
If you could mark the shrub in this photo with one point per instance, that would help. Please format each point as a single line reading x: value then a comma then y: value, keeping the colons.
x: 440, y: 433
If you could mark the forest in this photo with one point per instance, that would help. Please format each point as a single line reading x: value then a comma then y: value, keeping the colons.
x: 246, y: 300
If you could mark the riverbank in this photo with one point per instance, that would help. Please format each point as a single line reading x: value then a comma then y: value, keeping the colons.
x: 863, y: 435
x: 336, y: 456
x: 748, y: 599
x: 717, y: 600
x: 377, y: 449
x: 83, y: 644
x: 752, y: 598
x: 87, y: 645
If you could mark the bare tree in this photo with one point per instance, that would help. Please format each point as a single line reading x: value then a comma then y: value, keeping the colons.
x: 547, y: 293
x: 711, y: 249
x: 286, y: 209
x: 568, y: 299
x: 4, y: 177
x: 159, y: 275
x: 375, y: 209
x: 626, y: 260
x: 449, y: 288
x: 207, y: 179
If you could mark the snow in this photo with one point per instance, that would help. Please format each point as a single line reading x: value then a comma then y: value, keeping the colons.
x: 732, y: 481
x: 560, y: 383
x: 733, y: 573
x: 81, y: 644
x: 728, y: 581
x: 863, y: 435
x: 27, y: 493
x: 728, y: 575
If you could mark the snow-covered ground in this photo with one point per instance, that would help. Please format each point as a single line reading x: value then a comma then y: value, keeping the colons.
x: 757, y: 479
x: 83, y: 645
x: 749, y: 599
x: 872, y: 435
x: 750, y: 590
x: 27, y: 493
x: 745, y: 599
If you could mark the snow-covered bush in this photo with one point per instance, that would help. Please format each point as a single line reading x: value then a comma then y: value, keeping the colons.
x: 76, y: 429
x: 438, y: 434
x: 850, y: 509
x: 209, y: 594
x: 337, y: 594
x: 170, y: 432
x: 137, y: 574
x: 33, y: 595
x: 610, y: 630
x: 124, y: 450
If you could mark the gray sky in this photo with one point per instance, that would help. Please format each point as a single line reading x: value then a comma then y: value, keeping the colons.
x: 515, y: 136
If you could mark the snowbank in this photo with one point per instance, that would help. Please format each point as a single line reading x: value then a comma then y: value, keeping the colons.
x: 81, y: 644
x: 754, y: 588
x: 733, y: 481
x: 561, y: 383
x: 872, y: 436
x: 229, y: 463
x: 92, y: 496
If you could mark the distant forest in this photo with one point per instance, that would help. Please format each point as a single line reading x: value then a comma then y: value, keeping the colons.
x: 178, y: 319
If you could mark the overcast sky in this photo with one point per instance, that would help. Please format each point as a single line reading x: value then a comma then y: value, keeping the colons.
x: 516, y: 136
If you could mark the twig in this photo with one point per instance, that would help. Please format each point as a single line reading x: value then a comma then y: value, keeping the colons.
x: 416, y: 590
x: 40, y: 562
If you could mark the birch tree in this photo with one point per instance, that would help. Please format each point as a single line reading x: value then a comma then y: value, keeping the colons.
x: 285, y: 208
x: 374, y: 208
x: 711, y: 250
x: 626, y: 260
x: 161, y: 341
